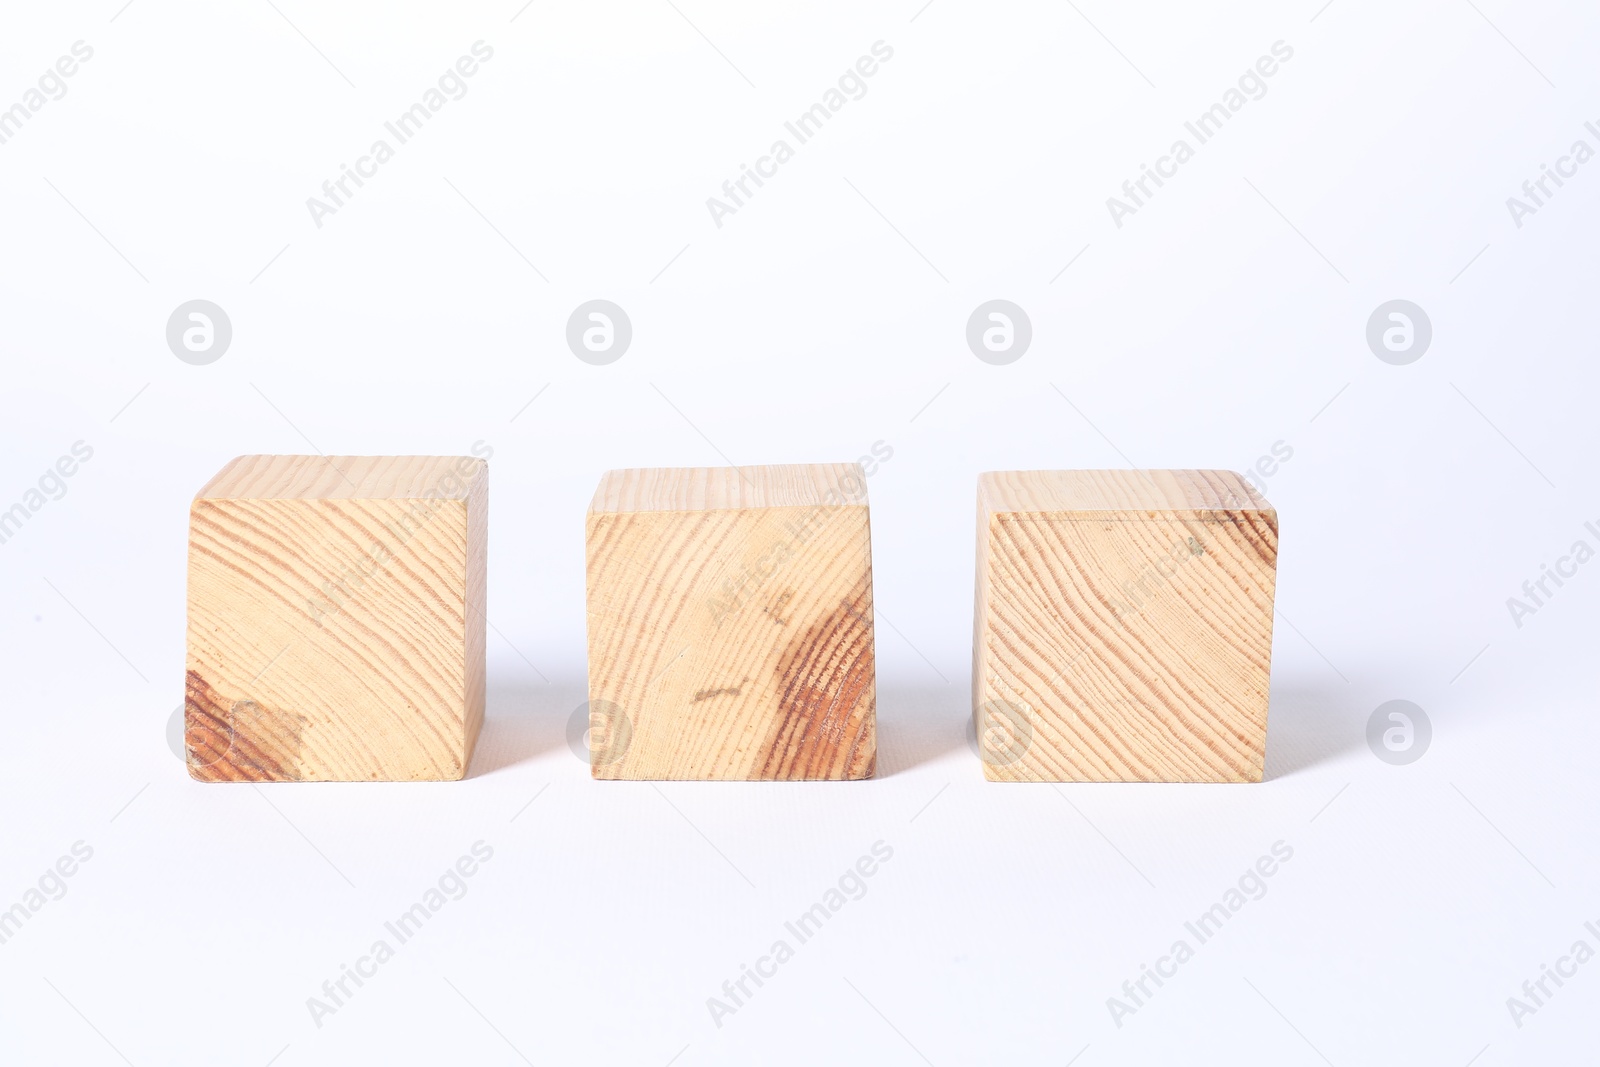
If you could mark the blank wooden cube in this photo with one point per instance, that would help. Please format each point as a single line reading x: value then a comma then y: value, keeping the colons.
x: 336, y: 619
x: 1123, y: 630
x: 730, y: 624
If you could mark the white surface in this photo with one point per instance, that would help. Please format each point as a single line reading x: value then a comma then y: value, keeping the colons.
x: 1419, y: 898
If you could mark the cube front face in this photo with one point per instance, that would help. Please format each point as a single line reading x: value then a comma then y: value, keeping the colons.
x: 336, y: 639
x: 732, y: 643
x: 1129, y: 645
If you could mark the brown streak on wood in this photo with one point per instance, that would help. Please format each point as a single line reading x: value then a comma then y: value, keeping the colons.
x: 825, y: 678
x: 710, y: 694
x: 228, y: 741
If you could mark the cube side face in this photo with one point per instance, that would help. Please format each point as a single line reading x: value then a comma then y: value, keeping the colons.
x: 476, y: 616
x: 1131, y: 650
x: 732, y: 645
x: 327, y: 640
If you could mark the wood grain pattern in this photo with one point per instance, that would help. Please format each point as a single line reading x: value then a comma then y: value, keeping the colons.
x: 1123, y: 626
x: 336, y: 619
x: 730, y: 624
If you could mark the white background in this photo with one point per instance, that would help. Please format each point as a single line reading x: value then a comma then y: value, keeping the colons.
x: 1227, y: 315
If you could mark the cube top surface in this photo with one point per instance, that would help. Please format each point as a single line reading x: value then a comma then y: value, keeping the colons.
x: 1118, y: 494
x: 792, y: 485
x: 343, y: 478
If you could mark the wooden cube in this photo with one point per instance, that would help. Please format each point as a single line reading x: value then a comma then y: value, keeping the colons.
x: 1123, y: 630
x: 730, y: 624
x: 336, y: 619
